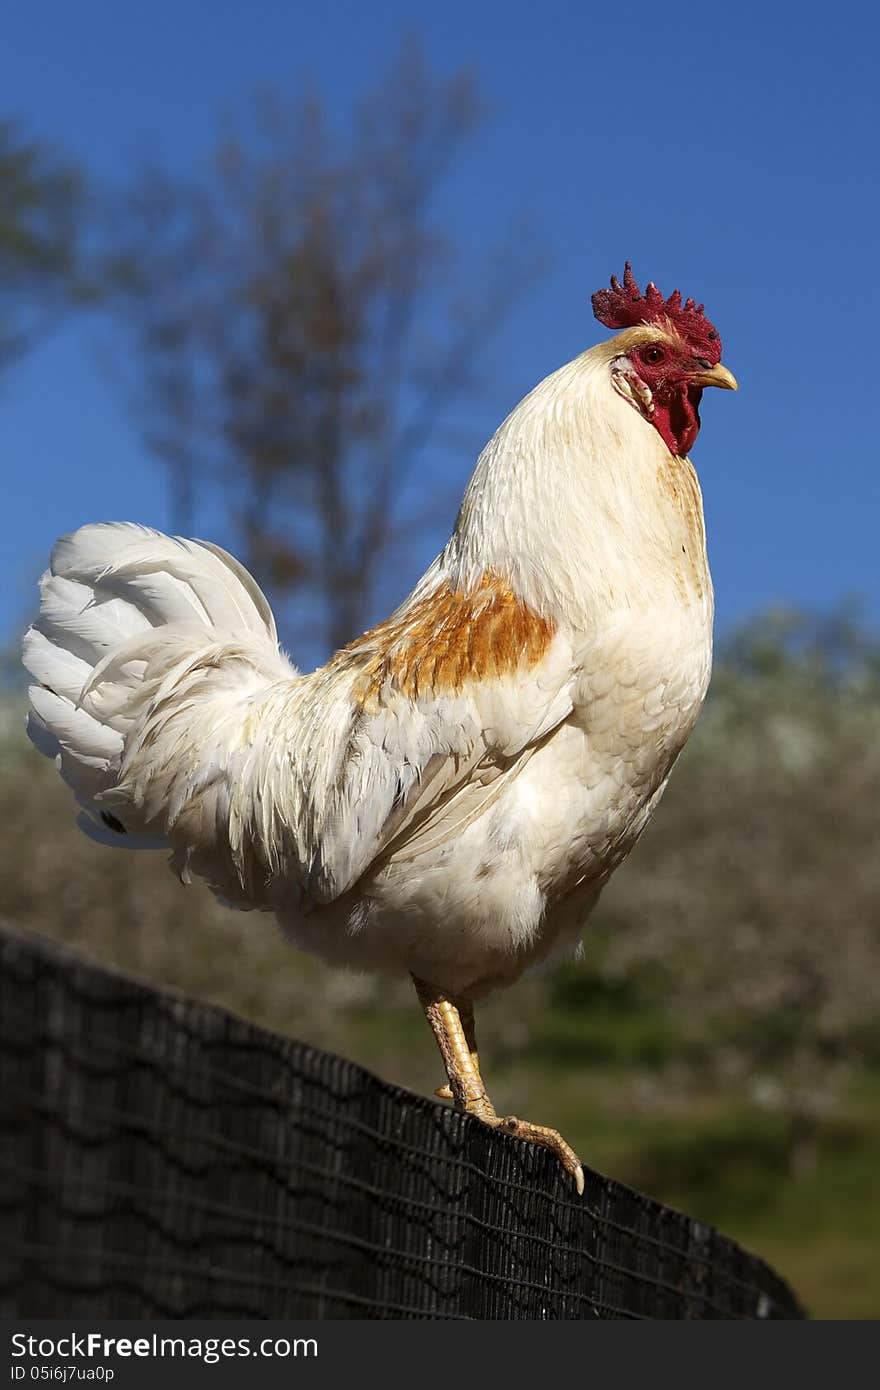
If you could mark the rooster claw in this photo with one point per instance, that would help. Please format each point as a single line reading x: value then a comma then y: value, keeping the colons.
x: 548, y: 1139
x: 535, y: 1134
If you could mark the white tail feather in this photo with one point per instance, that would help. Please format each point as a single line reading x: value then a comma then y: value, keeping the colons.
x: 125, y: 612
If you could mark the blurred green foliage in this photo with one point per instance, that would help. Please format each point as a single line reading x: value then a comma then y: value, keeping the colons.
x: 719, y: 1043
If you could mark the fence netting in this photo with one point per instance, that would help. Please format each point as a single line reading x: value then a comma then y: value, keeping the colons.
x: 162, y: 1158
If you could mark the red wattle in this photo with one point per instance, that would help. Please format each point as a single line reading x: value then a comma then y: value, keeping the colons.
x: 676, y: 417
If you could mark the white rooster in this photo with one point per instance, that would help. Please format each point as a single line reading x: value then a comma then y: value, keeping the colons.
x: 448, y: 795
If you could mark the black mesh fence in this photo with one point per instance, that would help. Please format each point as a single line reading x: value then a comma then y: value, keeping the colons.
x: 161, y: 1158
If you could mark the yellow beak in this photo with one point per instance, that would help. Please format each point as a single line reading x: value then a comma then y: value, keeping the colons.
x: 716, y: 376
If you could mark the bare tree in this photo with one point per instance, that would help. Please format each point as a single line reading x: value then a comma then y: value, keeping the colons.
x: 41, y: 211
x: 298, y: 348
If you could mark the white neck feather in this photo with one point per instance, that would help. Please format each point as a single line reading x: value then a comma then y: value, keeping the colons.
x: 567, y: 503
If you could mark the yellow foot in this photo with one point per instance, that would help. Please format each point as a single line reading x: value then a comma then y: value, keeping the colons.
x: 536, y: 1134
x: 452, y: 1024
x: 548, y: 1138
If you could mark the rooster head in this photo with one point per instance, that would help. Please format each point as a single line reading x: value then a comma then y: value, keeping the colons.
x: 667, y: 354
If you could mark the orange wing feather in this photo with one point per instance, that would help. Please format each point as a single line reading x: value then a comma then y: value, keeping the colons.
x: 447, y: 639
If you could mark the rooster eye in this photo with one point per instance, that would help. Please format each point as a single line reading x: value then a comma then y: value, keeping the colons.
x: 654, y: 354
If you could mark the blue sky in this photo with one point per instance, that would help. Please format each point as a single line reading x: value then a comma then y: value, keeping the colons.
x: 728, y: 150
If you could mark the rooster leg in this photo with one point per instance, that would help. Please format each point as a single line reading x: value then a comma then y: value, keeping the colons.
x: 466, y: 1015
x: 452, y: 1023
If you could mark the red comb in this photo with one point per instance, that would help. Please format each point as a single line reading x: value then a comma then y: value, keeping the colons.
x: 623, y: 306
